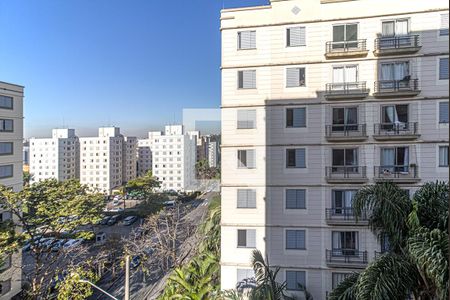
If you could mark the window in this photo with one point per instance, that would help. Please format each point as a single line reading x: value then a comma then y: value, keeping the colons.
x: 295, y: 199
x: 444, y: 25
x: 395, y: 159
x: 337, y: 278
x: 345, y: 118
x: 6, y: 148
x: 295, y: 240
x: 6, y: 102
x: 246, y: 119
x: 443, y: 68
x: 296, y: 36
x: 345, y: 74
x: 6, y: 125
x: 247, y: 79
x: 243, y: 274
x: 246, y: 198
x: 443, y: 112
x: 345, y: 158
x: 6, y: 171
x: 246, y: 40
x: 295, y: 280
x: 295, y: 77
x: 345, y: 242
x: 395, y: 28
x: 443, y: 156
x: 295, y: 158
x: 5, y: 287
x: 342, y: 201
x: 246, y: 159
x: 396, y: 71
x: 246, y: 238
x: 391, y: 114
x: 295, y: 117
x: 345, y: 36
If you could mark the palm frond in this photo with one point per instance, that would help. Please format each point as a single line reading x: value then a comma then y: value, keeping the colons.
x: 346, y: 289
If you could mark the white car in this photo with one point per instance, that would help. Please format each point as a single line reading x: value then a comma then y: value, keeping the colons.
x: 72, y: 243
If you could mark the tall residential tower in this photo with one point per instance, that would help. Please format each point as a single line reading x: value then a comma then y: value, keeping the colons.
x: 320, y: 97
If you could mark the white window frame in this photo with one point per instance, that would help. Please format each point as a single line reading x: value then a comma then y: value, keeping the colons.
x: 286, y: 38
x: 439, y: 36
x: 296, y: 270
x: 290, y: 129
x: 295, y: 251
x: 438, y: 62
x: 295, y: 210
x: 439, y: 168
x: 296, y: 88
x: 438, y: 124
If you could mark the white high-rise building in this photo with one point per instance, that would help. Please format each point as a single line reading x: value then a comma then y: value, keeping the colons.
x: 172, y: 155
x: 56, y: 157
x: 319, y: 98
x: 11, y: 160
x: 213, y: 154
x: 103, y: 163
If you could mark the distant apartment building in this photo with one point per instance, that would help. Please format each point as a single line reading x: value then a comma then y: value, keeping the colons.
x: 56, y: 157
x: 11, y: 161
x: 172, y: 156
x: 213, y: 154
x: 320, y: 97
x: 103, y: 163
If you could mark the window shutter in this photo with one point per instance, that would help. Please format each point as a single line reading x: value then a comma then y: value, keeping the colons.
x: 251, y: 198
x: 443, y: 156
x: 242, y: 198
x: 443, y: 112
x: 300, y: 198
x: 251, y: 119
x: 299, y: 117
x: 291, y: 199
x: 293, y: 77
x: 251, y: 238
x: 444, y: 25
x: 291, y: 280
x: 251, y: 159
x: 443, y: 68
x: 301, y: 277
x: 244, y: 274
x: 249, y: 79
x: 247, y: 40
x: 300, y: 239
x: 290, y: 239
x: 242, y: 238
x: 246, y: 119
x: 296, y: 36
x: 300, y: 158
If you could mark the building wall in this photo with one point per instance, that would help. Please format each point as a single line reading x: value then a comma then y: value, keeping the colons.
x: 271, y: 138
x: 12, y: 276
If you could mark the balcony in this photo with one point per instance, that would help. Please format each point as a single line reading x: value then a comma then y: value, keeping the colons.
x: 346, y: 49
x: 396, y: 131
x: 345, y: 132
x: 350, y: 258
x: 346, y: 90
x: 346, y: 174
x: 343, y: 216
x: 397, y: 173
x: 406, y: 44
x: 397, y: 88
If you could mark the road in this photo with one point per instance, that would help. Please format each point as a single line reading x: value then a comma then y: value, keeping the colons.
x: 140, y: 285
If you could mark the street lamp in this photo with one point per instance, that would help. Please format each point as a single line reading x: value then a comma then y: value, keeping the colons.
x: 98, y: 288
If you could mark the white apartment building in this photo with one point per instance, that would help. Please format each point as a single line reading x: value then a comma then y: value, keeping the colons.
x: 173, y: 158
x: 320, y: 97
x: 11, y: 143
x: 56, y: 157
x: 103, y: 163
x: 213, y: 154
x: 145, y: 152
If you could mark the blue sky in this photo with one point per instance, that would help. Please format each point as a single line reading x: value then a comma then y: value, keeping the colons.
x: 130, y: 63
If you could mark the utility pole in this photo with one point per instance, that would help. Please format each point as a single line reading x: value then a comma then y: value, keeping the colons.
x: 127, y: 277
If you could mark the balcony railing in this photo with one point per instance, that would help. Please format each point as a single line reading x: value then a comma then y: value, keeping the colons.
x: 404, y: 87
x: 346, y: 90
x: 396, y: 130
x: 346, y: 256
x: 343, y: 214
x: 346, y: 173
x: 379, y: 253
x: 346, y: 132
x: 397, y: 44
x: 346, y: 48
x: 406, y: 173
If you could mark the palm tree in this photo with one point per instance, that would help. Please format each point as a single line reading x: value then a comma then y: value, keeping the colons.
x: 417, y: 232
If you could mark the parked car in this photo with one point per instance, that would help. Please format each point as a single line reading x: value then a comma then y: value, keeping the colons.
x: 169, y: 203
x: 58, y: 245
x: 48, y: 243
x: 113, y: 220
x: 116, y: 202
x: 135, y: 262
x: 129, y: 220
x: 72, y: 243
x: 117, y: 209
x: 105, y: 220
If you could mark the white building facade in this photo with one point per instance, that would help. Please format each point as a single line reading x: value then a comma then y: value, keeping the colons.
x: 320, y: 97
x: 11, y: 160
x: 103, y: 163
x: 56, y: 157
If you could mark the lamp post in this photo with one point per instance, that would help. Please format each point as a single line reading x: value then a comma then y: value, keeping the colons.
x: 98, y: 288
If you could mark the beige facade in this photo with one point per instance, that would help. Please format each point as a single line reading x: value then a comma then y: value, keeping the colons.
x: 318, y: 99
x: 11, y: 143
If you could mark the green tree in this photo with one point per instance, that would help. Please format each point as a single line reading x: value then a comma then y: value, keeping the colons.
x: 27, y: 176
x: 417, y: 232
x: 74, y: 289
x: 46, y: 209
x: 145, y: 184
